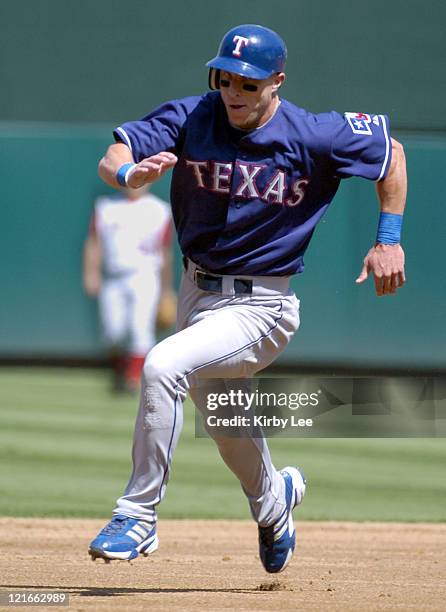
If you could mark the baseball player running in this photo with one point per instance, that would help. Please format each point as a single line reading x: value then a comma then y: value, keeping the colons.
x: 252, y: 176
x: 127, y: 265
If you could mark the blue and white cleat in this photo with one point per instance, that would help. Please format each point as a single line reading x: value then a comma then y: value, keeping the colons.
x: 277, y: 541
x: 124, y: 538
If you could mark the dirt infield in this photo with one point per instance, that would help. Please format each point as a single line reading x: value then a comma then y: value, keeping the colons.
x: 210, y: 565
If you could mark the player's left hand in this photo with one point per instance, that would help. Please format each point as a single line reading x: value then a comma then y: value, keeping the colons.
x: 386, y: 262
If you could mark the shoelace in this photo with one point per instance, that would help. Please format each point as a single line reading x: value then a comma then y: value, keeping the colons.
x: 116, y: 525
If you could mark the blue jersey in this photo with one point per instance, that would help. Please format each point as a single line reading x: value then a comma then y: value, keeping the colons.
x: 247, y: 202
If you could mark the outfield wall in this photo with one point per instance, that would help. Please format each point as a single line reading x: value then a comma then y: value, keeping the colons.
x: 49, y: 182
x: 72, y: 70
x: 105, y: 61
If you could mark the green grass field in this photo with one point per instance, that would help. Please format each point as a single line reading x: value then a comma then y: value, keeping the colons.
x: 65, y: 446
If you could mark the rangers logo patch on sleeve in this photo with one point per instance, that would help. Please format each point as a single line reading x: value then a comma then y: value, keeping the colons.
x: 359, y: 123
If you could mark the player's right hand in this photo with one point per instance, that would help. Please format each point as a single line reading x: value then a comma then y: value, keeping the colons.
x: 151, y: 169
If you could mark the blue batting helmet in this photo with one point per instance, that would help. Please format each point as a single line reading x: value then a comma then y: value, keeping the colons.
x: 250, y: 50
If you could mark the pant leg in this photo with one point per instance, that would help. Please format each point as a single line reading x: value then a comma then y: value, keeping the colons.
x: 248, y: 457
x: 222, y: 337
x: 144, y: 290
x: 112, y: 304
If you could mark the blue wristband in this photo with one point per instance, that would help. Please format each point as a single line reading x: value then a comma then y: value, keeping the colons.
x: 121, y: 175
x: 389, y: 228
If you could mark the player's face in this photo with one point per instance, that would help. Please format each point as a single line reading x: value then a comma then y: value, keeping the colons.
x: 249, y: 102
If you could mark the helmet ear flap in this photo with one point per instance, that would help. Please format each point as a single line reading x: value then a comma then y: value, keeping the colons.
x: 214, y: 78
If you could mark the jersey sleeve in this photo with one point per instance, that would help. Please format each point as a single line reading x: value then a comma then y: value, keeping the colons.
x: 361, y: 146
x: 161, y: 130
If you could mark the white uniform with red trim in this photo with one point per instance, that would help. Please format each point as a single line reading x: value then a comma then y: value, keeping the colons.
x: 132, y: 234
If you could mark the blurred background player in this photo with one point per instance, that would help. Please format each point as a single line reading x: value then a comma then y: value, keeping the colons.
x: 127, y: 264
